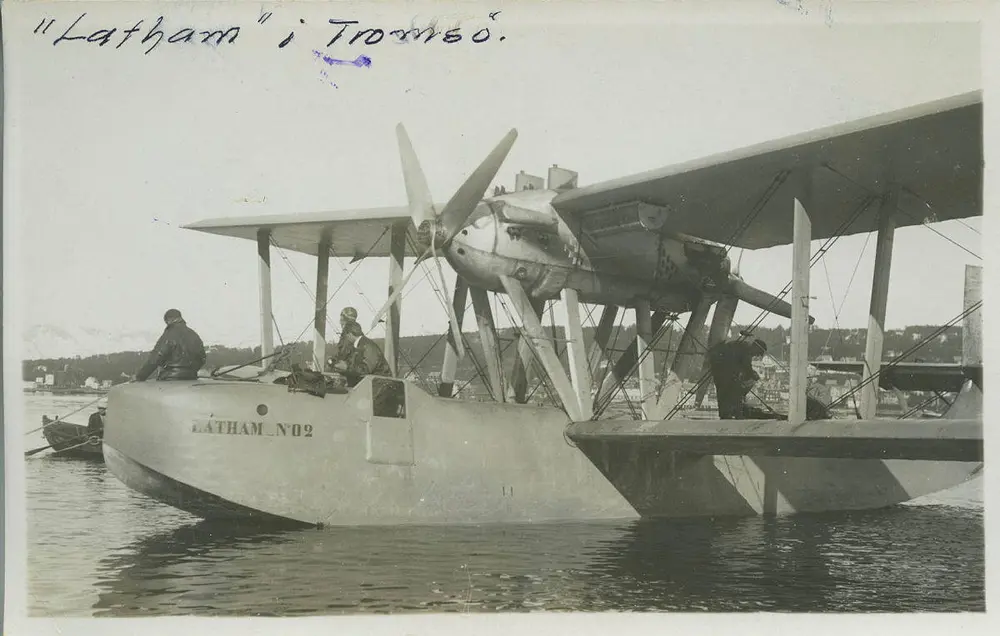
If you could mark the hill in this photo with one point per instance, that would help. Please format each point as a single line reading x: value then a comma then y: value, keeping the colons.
x: 425, y: 353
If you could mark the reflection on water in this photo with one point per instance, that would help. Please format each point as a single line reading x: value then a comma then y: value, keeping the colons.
x: 897, y: 560
x: 98, y: 549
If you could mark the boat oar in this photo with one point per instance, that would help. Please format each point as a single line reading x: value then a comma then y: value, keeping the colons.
x: 37, y: 450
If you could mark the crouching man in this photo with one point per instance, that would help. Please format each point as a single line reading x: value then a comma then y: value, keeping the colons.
x: 731, y: 364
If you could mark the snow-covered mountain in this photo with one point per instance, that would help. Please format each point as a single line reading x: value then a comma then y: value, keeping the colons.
x: 49, y: 341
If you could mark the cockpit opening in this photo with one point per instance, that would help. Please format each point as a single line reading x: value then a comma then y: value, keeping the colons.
x: 388, y: 398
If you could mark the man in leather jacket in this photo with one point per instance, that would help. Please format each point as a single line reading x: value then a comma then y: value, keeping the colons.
x: 178, y: 354
x: 345, y: 347
x: 366, y: 359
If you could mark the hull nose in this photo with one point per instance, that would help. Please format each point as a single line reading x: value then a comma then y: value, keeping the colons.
x: 143, y: 417
x: 149, y: 446
x: 183, y: 496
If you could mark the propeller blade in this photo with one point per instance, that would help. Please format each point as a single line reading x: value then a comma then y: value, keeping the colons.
x: 463, y: 203
x: 417, y: 192
x: 395, y: 294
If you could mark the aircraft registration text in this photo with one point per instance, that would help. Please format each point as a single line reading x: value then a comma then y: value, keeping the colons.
x: 238, y: 427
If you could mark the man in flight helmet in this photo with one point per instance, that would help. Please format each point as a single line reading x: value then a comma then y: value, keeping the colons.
x: 345, y: 348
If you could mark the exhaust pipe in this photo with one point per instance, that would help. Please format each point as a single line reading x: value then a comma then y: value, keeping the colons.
x: 761, y: 299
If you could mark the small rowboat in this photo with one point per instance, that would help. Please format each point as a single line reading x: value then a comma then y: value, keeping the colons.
x: 71, y: 440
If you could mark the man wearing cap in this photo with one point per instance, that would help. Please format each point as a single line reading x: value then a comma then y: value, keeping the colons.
x: 95, y: 425
x: 344, y: 348
x: 731, y: 363
x: 178, y: 354
x: 366, y: 358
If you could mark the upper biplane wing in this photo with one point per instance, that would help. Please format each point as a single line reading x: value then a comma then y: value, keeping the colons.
x: 933, y: 152
x: 354, y: 233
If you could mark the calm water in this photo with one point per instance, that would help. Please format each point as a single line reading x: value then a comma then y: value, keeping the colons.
x: 97, y: 549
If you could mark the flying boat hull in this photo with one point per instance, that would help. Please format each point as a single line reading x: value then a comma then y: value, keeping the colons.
x: 252, y: 451
x: 205, y: 447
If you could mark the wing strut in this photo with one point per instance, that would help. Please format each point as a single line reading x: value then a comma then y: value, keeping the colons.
x: 542, y: 347
x: 879, y: 300
x: 449, y: 365
x: 799, y: 353
x: 264, y: 282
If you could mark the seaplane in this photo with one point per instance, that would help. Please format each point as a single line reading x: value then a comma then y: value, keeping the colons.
x: 249, y: 445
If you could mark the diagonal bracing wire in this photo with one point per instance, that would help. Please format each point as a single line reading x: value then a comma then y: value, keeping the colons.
x: 899, y: 359
x: 863, y: 206
x: 349, y: 277
x: 912, y: 217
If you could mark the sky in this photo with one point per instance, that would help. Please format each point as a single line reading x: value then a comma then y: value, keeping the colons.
x: 111, y: 150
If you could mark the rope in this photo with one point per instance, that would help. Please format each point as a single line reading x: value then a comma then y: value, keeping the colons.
x: 92, y: 439
x: 59, y: 419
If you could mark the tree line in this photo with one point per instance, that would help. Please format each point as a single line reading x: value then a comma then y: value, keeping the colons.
x: 424, y: 353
